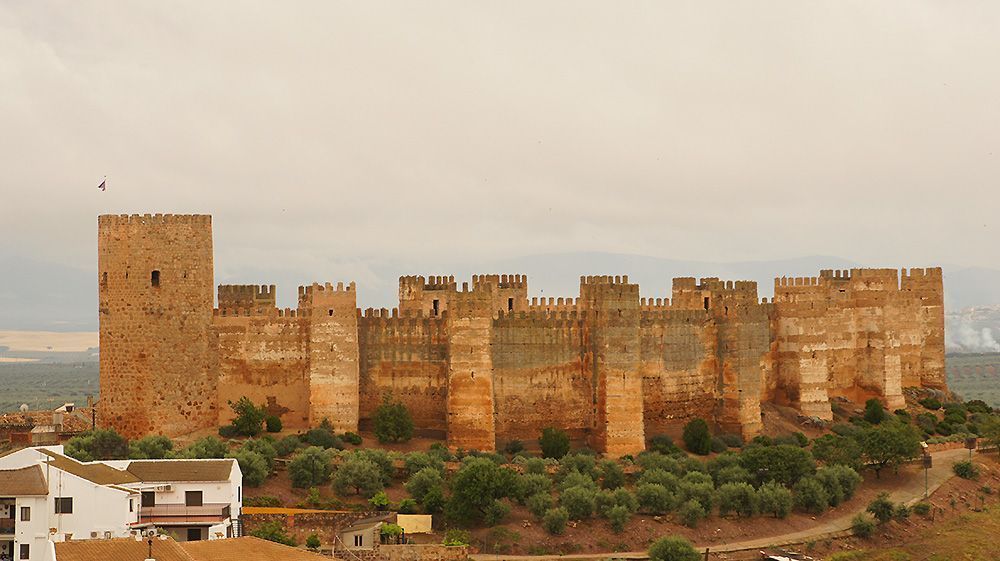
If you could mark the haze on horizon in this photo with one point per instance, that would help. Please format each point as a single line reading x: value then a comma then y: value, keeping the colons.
x: 331, y: 139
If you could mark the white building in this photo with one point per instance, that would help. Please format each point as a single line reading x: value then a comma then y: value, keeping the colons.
x: 46, y: 497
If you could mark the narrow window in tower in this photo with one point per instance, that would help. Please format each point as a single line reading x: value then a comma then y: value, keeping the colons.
x: 510, y: 304
x: 706, y: 302
x: 104, y: 279
x: 436, y: 304
x: 154, y: 278
x: 330, y: 312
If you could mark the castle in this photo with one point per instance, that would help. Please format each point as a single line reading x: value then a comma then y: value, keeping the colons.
x: 482, y: 364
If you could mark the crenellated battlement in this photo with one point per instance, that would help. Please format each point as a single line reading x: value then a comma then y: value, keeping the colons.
x: 246, y: 295
x: 152, y: 219
x: 259, y: 313
x: 654, y: 304
x: 553, y: 304
x: 500, y: 281
x: 603, y: 279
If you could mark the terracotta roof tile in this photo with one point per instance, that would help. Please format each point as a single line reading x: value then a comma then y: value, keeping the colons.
x: 123, y: 549
x: 181, y: 470
x: 25, y: 481
x: 96, y: 472
x: 247, y: 548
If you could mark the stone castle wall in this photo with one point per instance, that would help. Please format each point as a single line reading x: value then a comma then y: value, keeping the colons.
x: 483, y: 364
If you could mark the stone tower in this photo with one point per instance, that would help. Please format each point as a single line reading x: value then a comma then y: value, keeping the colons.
x: 155, y: 301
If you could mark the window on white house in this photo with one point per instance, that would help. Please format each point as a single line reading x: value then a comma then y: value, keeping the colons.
x: 192, y: 498
x: 64, y: 505
x: 25, y: 551
x: 25, y: 514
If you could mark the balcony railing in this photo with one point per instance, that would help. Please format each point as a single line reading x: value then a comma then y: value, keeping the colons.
x: 180, y: 512
x: 6, y: 525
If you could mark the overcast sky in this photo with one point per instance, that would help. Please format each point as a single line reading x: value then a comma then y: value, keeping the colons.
x: 323, y: 135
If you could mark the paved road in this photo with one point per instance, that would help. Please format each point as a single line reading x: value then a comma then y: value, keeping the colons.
x: 911, y: 493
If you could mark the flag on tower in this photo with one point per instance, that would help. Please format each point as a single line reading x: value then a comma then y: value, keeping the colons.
x: 104, y: 184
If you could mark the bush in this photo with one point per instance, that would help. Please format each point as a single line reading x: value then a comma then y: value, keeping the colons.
x: 205, y: 448
x: 536, y: 466
x: 691, y: 513
x: 619, y: 516
x: 351, y: 438
x: 731, y: 474
x: 810, y: 496
x: 831, y: 484
x: 654, y: 460
x: 718, y: 445
x: 309, y: 468
x: 555, y: 520
x: 274, y: 531
x: 554, y: 443
x: 732, y: 440
x: 434, y: 501
x: 455, y: 537
x: 323, y: 438
x: 775, y: 499
x: 272, y: 423
x: 740, y: 498
x: 882, y: 508
x: 495, y: 513
x: 379, y: 501
x: 577, y: 479
x: 863, y: 525
x: 612, y: 474
x: 407, y: 506
x: 783, y: 463
x: 902, y: 512
x: 874, y: 412
x: 423, y: 482
x: 923, y: 509
x: 312, y: 542
x: 360, y: 475
x: 927, y: 422
x: 579, y: 502
x: 475, y: 487
x: 673, y: 549
x: 966, y: 469
x: 228, y: 431
x: 152, y: 447
x: 698, y: 486
x: 97, y: 444
x: 287, y: 445
x: 582, y: 463
x: 392, y: 421
x: 697, y: 438
x: 931, y: 403
x: 416, y: 461
x: 249, y: 418
x: 606, y: 500
x: 263, y: 447
x: 539, y: 503
x: 654, y: 498
x: 889, y: 445
x: 513, y: 447
x: 663, y: 444
x: 253, y: 465
x: 526, y: 485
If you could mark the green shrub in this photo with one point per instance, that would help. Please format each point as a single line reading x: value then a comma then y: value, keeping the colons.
x: 654, y: 498
x: 923, y: 509
x: 577, y: 479
x: 732, y: 474
x: 495, y: 513
x: 272, y: 423
x: 475, y: 487
x: 323, y: 438
x: 698, y: 486
x: 423, y: 481
x: 673, y: 549
x: 434, y: 501
x: 379, y: 501
x: 253, y: 466
x: 312, y: 542
x: 358, y: 475
x: 579, y: 502
x: 619, y: 516
x: 416, y: 461
x: 931, y: 403
x: 274, y: 531
x: 927, y: 422
x: 555, y: 520
x: 262, y: 500
x: 902, y: 512
x: 539, y: 503
x: 966, y: 469
x: 697, y: 438
x: 249, y: 418
x: 810, y: 496
x: 351, y: 438
x: 863, y: 526
x: 718, y: 445
x: 663, y: 444
x: 691, y: 513
x: 407, y: 506
x: 831, y: 483
x: 612, y: 474
x: 228, y: 431
x: 775, y: 499
x: 660, y: 477
x: 536, y: 466
x: 287, y: 445
x: 740, y: 498
x: 554, y: 443
x: 392, y: 421
x: 513, y: 447
x: 874, y: 412
x: 783, y: 463
x: 526, y: 485
x: 732, y: 440
x: 309, y: 468
x: 205, y: 448
x: 265, y: 448
x: 581, y: 463
x: 882, y: 508
x: 97, y: 444
x: 655, y: 460
x: 152, y: 447
x: 456, y: 537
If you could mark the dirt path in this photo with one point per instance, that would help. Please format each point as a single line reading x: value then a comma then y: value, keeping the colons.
x: 912, y: 492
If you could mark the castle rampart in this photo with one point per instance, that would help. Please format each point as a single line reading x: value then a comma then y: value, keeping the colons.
x: 484, y: 363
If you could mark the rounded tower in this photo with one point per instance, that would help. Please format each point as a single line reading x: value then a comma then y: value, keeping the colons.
x: 155, y: 282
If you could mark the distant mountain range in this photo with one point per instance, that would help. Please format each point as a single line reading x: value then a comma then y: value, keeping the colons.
x: 36, y: 295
